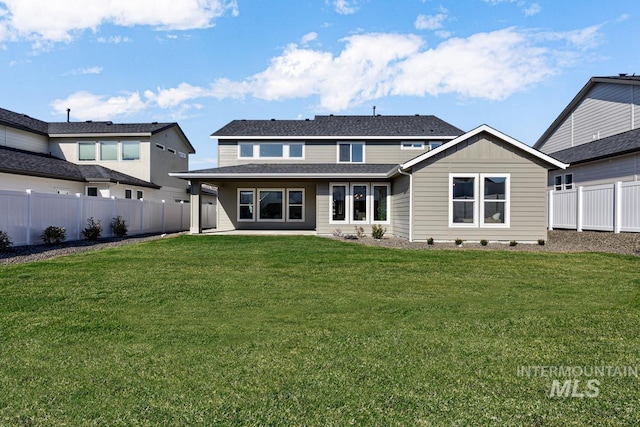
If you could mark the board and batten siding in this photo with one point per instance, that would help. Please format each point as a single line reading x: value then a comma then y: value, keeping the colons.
x: 608, y: 109
x: 16, y: 138
x: 528, y: 197
x: 322, y: 152
x: 228, y: 206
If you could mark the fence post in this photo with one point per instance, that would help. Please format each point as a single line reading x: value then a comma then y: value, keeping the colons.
x: 141, y: 216
x: 181, y: 215
x: 579, y: 209
x: 29, y: 217
x: 617, y: 206
x: 163, y: 217
x: 550, y: 208
x: 113, y: 214
x: 79, y: 216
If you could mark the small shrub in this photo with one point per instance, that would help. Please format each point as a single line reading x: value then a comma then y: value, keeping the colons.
x: 338, y: 233
x: 484, y: 242
x: 359, y: 232
x: 119, y: 226
x: 93, y: 230
x: 53, y: 235
x: 377, y: 231
x: 513, y: 243
x: 430, y: 241
x: 541, y: 242
x: 5, y: 241
x: 459, y: 241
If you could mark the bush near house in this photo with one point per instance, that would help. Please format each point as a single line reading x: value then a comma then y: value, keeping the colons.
x: 119, y: 226
x: 5, y: 241
x: 53, y: 235
x: 93, y: 230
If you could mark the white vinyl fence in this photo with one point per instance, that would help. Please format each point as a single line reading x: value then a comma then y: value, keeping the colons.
x: 611, y: 207
x: 25, y: 215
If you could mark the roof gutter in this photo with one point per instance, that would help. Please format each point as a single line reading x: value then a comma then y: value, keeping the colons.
x: 410, y: 175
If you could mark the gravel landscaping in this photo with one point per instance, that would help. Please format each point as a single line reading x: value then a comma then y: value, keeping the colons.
x: 557, y: 241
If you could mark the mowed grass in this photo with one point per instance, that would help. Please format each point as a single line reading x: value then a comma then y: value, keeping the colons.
x: 226, y: 330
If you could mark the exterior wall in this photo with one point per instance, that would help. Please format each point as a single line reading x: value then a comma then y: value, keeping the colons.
x: 163, y: 161
x: 400, y: 206
x: 608, y: 109
x: 228, y: 206
x: 606, y: 171
x: 528, y: 198
x: 15, y: 182
x: 323, y: 152
x: 15, y: 138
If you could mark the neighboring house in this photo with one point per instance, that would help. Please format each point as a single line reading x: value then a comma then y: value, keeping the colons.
x: 93, y: 158
x: 597, y: 133
x: 417, y: 176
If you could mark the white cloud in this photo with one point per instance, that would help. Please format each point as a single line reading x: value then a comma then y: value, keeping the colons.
x: 345, y: 7
x: 528, y: 9
x: 309, y: 37
x: 430, y: 22
x: 62, y: 21
x: 89, y: 70
x: 533, y: 9
x: 491, y: 66
x: 114, y: 39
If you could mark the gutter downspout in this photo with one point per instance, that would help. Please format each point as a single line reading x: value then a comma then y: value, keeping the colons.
x: 401, y: 172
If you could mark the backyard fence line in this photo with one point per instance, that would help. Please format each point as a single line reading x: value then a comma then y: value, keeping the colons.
x: 610, y: 207
x: 24, y: 215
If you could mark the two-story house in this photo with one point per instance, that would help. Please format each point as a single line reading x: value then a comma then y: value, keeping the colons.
x: 104, y: 159
x: 418, y: 176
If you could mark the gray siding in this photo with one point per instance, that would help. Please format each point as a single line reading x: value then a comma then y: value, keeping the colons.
x: 607, y: 109
x: 228, y: 206
x: 324, y: 152
x: 528, y: 201
x: 400, y: 205
x: 622, y: 168
x: 15, y: 138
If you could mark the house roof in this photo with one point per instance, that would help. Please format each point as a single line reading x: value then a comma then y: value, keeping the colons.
x: 486, y: 129
x: 417, y: 126
x: 615, y: 145
x: 620, y: 79
x: 23, y: 122
x: 297, y: 170
x: 23, y: 162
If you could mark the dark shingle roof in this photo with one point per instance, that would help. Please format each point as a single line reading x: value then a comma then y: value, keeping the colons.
x: 379, y: 126
x: 57, y: 128
x: 316, y: 169
x: 22, y: 121
x: 615, y: 145
x: 34, y: 164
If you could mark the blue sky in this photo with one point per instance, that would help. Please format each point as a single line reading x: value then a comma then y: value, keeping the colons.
x: 511, y: 64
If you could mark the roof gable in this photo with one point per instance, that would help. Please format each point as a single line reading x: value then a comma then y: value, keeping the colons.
x: 487, y: 129
x: 341, y: 126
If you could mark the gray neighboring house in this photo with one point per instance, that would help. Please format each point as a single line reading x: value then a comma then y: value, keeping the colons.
x: 417, y: 176
x: 597, y: 133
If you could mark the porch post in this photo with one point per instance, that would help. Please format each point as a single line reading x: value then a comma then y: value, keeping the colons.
x: 196, y: 208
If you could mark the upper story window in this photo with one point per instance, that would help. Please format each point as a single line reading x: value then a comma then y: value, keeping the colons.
x: 271, y: 150
x: 108, y: 151
x: 351, y: 152
x: 130, y: 151
x: 561, y: 182
x: 412, y: 145
x: 86, y: 151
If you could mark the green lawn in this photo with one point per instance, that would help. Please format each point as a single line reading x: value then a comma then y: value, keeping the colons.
x: 226, y: 330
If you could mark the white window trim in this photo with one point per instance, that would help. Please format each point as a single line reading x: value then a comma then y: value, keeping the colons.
x: 415, y: 145
x: 566, y: 186
x: 95, y: 151
x: 563, y: 182
x: 141, y: 192
x: 253, y: 212
x: 287, y: 205
x: 286, y: 153
x: 347, y: 204
x: 388, y: 202
x: 122, y: 143
x: 118, y: 156
x: 132, y: 193
x: 475, y: 200
x: 478, y: 201
x: 257, y: 204
x: 367, y: 204
x: 350, y: 143
x: 507, y: 201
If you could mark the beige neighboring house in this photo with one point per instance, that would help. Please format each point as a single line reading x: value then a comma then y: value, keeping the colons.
x: 103, y: 159
x: 417, y: 176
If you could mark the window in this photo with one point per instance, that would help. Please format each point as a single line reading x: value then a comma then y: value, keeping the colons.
x: 474, y: 196
x: 359, y: 202
x: 434, y: 144
x: 92, y: 191
x: 568, y: 181
x: 339, y: 203
x: 171, y: 150
x: 160, y: 147
x: 86, y: 151
x: 560, y: 184
x: 380, y: 203
x: 412, y: 145
x: 271, y: 150
x: 130, y: 151
x: 295, y: 205
x: 108, y: 151
x: 271, y: 206
x: 557, y: 182
x: 139, y: 195
x: 351, y: 152
x: 182, y: 155
x: 128, y: 194
x: 245, y: 205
